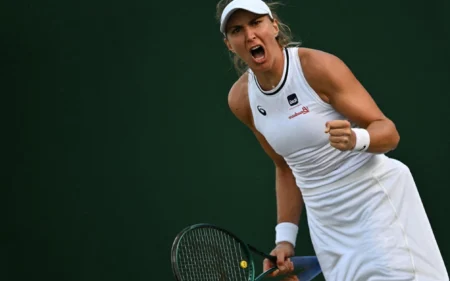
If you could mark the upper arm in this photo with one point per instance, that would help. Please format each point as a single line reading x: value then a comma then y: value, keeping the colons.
x: 330, y: 77
x: 240, y: 107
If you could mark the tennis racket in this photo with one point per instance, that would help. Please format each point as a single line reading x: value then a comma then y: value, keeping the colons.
x: 205, y: 252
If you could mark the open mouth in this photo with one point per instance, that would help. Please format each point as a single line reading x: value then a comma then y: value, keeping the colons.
x: 258, y: 53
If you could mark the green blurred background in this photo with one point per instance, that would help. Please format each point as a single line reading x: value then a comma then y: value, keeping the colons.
x: 121, y: 134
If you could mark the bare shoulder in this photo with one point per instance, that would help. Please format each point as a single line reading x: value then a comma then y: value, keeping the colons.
x: 238, y: 100
x: 324, y: 71
x: 317, y: 62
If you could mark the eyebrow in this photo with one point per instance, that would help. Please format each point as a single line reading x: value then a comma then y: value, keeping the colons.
x: 253, y: 19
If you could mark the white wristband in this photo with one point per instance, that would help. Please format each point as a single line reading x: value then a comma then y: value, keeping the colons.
x: 286, y: 232
x: 362, y: 139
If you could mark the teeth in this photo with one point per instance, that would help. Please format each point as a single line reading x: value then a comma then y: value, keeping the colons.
x: 256, y: 47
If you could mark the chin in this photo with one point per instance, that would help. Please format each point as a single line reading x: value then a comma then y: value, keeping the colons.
x: 260, y: 67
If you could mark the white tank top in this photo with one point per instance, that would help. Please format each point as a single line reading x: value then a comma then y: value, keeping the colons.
x: 292, y: 118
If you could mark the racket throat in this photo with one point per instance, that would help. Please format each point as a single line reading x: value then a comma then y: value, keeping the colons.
x: 269, y: 257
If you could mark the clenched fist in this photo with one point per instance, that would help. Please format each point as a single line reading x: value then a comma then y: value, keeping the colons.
x: 282, y: 251
x: 341, y: 135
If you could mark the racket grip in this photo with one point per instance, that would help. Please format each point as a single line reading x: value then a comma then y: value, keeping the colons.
x: 307, y: 266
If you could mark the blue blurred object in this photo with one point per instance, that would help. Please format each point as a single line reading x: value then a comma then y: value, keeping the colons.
x: 310, y: 264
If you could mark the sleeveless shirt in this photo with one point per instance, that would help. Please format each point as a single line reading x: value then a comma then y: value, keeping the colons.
x: 292, y: 119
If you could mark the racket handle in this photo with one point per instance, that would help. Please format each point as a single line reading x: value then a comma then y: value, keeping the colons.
x: 307, y: 266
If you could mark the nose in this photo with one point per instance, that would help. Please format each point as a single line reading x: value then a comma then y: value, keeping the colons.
x: 249, y: 34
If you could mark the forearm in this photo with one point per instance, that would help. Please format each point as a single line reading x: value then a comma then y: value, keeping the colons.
x: 289, y: 198
x: 383, y: 136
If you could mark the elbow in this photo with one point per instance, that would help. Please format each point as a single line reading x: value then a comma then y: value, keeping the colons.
x: 388, y: 140
x: 395, y: 139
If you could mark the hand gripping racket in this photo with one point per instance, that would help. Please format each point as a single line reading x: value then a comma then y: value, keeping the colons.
x: 205, y: 252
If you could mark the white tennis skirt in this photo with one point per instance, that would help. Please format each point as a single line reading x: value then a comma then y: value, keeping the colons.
x: 372, y: 226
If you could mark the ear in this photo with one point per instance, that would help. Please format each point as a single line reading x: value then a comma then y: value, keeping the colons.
x: 275, y: 27
x: 227, y: 43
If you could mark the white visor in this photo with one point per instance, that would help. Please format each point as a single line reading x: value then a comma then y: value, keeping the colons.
x: 255, y: 6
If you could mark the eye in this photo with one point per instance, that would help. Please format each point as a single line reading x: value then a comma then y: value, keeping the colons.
x: 235, y: 30
x: 256, y: 22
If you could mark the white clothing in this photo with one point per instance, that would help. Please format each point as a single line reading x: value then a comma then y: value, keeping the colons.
x: 372, y: 226
x: 292, y: 118
x: 365, y: 215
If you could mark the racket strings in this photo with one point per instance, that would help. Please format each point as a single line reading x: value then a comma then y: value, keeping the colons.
x: 207, y: 254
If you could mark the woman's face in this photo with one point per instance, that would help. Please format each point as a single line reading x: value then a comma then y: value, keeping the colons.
x: 253, y: 38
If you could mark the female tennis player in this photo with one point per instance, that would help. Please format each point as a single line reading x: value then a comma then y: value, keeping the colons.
x: 328, y: 140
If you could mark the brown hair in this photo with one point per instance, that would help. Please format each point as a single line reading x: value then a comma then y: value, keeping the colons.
x: 284, y: 37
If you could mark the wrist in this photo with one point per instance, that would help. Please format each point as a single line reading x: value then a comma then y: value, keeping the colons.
x: 362, y: 139
x: 286, y: 232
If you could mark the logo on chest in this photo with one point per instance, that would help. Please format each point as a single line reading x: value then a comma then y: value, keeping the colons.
x: 292, y: 99
x: 305, y: 110
x: 294, y: 103
x: 261, y: 110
